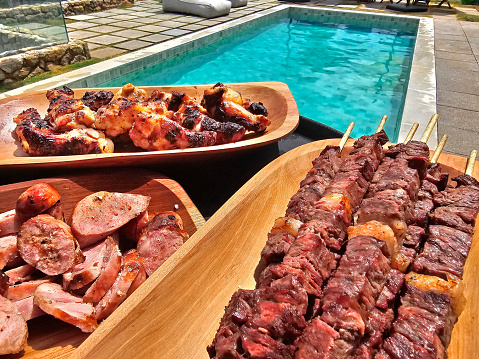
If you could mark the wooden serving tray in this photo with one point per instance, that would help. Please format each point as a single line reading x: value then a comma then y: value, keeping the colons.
x: 52, y: 338
x: 276, y: 96
x: 176, y: 313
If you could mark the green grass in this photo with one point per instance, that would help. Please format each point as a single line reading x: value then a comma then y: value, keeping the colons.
x: 466, y: 17
x: 48, y: 74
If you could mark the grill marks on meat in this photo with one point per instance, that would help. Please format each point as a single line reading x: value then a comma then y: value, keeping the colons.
x: 39, y: 138
x: 308, y: 261
x: 48, y: 244
x: 13, y: 328
x: 161, y: 121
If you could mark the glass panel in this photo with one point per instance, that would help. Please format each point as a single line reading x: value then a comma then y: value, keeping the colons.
x: 30, y: 24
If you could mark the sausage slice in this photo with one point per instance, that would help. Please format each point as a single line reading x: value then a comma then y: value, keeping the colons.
x: 35, y: 200
x: 52, y: 299
x: 100, y: 214
x: 48, y: 244
x: 9, y: 256
x: 13, y: 328
x: 160, y: 239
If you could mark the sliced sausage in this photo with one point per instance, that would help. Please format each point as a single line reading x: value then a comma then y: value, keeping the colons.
x: 131, y: 268
x: 87, y: 271
x: 3, y: 284
x: 20, y: 274
x: 9, y: 223
x: 132, y: 229
x: 100, y: 214
x: 160, y: 239
x: 53, y: 300
x: 110, y: 266
x: 35, y: 200
x: 26, y: 289
x: 9, y: 256
x: 28, y: 309
x: 48, y: 244
x: 13, y: 328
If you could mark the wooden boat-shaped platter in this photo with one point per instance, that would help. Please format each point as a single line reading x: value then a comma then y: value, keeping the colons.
x: 276, y: 97
x: 176, y: 312
x: 49, y: 337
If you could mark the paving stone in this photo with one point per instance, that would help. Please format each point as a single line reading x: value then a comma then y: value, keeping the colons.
x: 124, y: 17
x: 458, y: 117
x: 454, y: 56
x: 156, y: 28
x: 452, y: 46
x: 171, y: 24
x: 148, y: 20
x: 81, y: 17
x: 80, y: 25
x: 128, y: 24
x: 193, y: 27
x: 81, y: 34
x: 106, y: 29
x: 175, y: 32
x: 460, y: 142
x: 106, y: 39
x: 457, y: 65
x: 132, y: 33
x: 458, y: 100
x: 457, y: 80
x: 102, y: 21
x: 133, y: 45
x: 106, y: 52
x: 156, y: 38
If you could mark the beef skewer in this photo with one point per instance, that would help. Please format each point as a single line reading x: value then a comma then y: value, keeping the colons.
x: 285, y: 229
x: 431, y: 304
x: 264, y: 322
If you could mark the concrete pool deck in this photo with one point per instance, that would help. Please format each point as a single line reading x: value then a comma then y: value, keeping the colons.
x: 455, y: 54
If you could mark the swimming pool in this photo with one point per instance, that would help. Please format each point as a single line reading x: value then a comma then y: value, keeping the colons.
x: 337, y: 72
x: 420, y: 101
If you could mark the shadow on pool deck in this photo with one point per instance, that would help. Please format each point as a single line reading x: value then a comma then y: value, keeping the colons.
x: 118, y: 31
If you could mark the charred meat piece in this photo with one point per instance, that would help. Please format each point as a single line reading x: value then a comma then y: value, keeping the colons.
x: 13, y: 328
x: 226, y: 105
x: 96, y: 99
x: 160, y: 239
x: 466, y: 180
x: 39, y: 138
x: 48, y: 245
x: 460, y: 218
x: 317, y: 341
x: 131, y: 93
x: 131, y: 275
x: 53, y: 300
x: 444, y: 252
x: 463, y: 196
x: 280, y: 238
x: 91, y: 217
x: 414, y: 236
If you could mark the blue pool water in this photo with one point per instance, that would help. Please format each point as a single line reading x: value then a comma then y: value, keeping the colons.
x: 337, y: 73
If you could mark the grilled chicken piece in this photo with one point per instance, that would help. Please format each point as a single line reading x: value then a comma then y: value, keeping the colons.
x: 48, y: 244
x: 131, y: 93
x: 158, y: 132
x: 160, y: 239
x: 13, y: 328
x: 64, y: 306
x: 110, y: 264
x: 176, y: 100
x: 69, y: 115
x: 131, y: 275
x: 96, y: 99
x: 227, y: 105
x: 38, y: 138
x: 91, y: 219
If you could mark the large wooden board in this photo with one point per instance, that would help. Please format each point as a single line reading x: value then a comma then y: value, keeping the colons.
x: 176, y: 313
x: 276, y: 96
x: 51, y: 338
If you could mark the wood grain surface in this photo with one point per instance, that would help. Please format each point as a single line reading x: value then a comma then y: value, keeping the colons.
x: 276, y: 96
x: 176, y: 313
x: 49, y: 337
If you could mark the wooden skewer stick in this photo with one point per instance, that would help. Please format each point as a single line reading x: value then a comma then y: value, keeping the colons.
x: 412, y: 132
x: 345, y: 137
x: 381, y: 123
x: 471, y: 161
x: 439, y: 149
x: 429, y: 128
